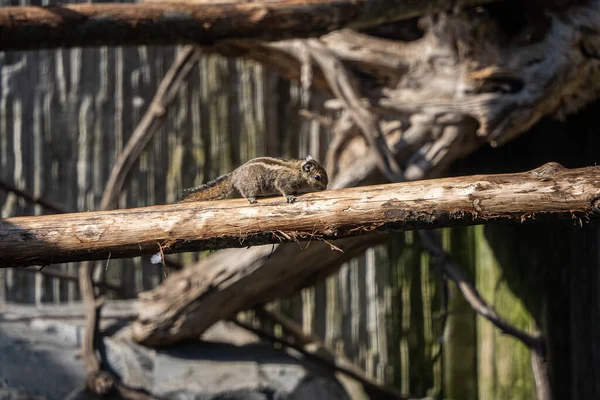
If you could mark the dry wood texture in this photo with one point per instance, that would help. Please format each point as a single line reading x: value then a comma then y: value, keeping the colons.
x: 547, y: 192
x: 189, y: 302
x: 24, y: 28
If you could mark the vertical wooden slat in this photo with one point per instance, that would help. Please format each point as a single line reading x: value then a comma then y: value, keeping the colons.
x: 460, y: 349
x: 333, y: 313
x: 256, y: 145
x: 234, y: 126
x: 584, y: 312
x: 393, y: 323
x: 273, y: 119
x: 504, y: 363
x: 371, y: 313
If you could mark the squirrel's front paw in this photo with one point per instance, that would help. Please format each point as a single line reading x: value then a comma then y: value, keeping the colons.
x: 291, y: 198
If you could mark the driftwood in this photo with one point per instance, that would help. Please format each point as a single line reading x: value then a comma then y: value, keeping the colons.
x: 550, y: 191
x: 184, y: 306
x: 446, y: 85
x: 77, y: 25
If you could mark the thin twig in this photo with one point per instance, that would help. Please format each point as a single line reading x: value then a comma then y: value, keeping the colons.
x: 52, y: 273
x: 535, y: 342
x: 31, y: 198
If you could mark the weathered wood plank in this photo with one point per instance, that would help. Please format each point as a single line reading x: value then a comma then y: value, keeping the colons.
x: 550, y: 191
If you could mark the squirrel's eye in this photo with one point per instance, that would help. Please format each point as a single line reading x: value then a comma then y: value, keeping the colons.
x: 317, y: 177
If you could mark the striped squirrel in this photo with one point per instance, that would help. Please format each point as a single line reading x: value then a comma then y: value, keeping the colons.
x: 264, y: 176
x: 261, y: 176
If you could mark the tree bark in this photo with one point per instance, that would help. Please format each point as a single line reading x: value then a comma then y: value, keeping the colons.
x: 190, y: 301
x: 25, y: 28
x: 550, y: 191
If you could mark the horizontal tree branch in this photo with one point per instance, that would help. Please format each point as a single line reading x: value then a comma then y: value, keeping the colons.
x: 548, y: 192
x: 109, y: 24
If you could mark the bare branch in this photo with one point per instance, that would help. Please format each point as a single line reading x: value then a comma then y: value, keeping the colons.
x: 78, y: 25
x: 549, y: 192
x: 193, y: 299
x: 31, y: 198
x: 314, y: 347
x: 535, y: 342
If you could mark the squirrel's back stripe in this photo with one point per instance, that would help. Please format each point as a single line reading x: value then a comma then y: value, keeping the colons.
x: 213, y: 190
x: 274, y: 163
x: 271, y: 161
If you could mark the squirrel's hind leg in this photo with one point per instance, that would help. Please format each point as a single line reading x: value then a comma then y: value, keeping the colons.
x: 249, y: 194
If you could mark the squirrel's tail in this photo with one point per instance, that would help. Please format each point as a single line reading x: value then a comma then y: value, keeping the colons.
x: 213, y: 190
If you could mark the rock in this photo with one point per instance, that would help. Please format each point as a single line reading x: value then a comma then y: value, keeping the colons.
x: 39, y: 348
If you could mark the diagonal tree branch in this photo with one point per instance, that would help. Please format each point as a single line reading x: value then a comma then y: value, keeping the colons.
x: 98, y: 380
x: 149, y: 124
x: 48, y: 205
x: 314, y: 347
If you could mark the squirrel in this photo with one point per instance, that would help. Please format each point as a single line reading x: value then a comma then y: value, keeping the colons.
x: 260, y: 176
x: 263, y: 176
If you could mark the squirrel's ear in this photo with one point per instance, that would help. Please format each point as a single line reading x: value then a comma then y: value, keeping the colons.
x: 307, y: 165
x: 309, y: 158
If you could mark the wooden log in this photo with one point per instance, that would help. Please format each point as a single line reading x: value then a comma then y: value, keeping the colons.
x: 110, y: 24
x: 550, y: 191
x: 190, y: 301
